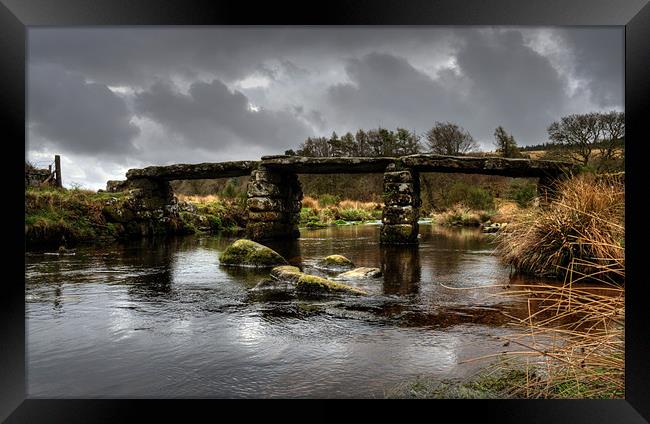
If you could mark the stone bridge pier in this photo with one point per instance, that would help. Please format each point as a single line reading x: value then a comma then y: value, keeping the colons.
x: 273, y: 205
x: 401, y: 206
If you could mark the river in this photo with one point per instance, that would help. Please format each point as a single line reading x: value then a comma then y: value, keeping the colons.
x: 163, y: 319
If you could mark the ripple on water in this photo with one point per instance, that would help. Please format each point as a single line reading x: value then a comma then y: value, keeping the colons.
x: 163, y: 319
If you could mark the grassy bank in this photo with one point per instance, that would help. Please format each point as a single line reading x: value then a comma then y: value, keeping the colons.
x: 61, y: 217
x: 65, y: 217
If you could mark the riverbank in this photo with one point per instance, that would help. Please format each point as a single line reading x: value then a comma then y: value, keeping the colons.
x: 571, y: 341
x: 56, y: 217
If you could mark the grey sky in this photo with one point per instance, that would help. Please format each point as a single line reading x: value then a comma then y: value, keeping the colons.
x: 108, y: 99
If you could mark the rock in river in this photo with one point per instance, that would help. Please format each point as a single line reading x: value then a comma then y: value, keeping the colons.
x: 312, y: 284
x: 360, y: 273
x: 309, y: 284
x: 245, y: 252
x: 335, y: 263
x: 286, y: 273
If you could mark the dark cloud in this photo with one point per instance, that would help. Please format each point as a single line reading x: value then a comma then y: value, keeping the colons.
x: 161, y: 95
x: 146, y: 53
x: 510, y: 85
x: 386, y: 90
x: 77, y: 116
x: 497, y: 81
x: 599, y: 58
x: 211, y: 115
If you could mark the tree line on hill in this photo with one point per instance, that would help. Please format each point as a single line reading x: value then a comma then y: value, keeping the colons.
x: 574, y: 137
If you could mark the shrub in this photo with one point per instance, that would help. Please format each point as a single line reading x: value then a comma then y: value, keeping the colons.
x: 328, y: 200
x: 307, y: 214
x: 523, y: 193
x: 471, y: 196
x: 329, y: 214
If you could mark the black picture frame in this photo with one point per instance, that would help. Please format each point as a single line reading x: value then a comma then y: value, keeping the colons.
x: 17, y: 15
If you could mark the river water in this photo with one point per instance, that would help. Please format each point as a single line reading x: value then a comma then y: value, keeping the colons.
x: 163, y: 319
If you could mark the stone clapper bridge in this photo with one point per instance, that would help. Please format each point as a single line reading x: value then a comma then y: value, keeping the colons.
x: 275, y: 194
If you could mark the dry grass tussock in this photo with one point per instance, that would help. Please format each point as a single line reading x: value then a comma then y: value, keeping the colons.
x: 581, y: 232
x: 460, y: 214
x: 315, y: 205
x: 198, y: 199
x: 506, y: 211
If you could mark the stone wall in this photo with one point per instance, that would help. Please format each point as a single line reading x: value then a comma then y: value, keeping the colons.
x: 274, y: 202
x: 149, y: 209
x: 401, y: 206
x: 36, y: 177
x: 114, y: 186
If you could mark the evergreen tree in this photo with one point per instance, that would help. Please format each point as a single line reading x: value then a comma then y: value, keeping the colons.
x: 505, y: 144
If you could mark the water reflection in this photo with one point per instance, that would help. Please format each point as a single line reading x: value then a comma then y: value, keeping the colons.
x: 447, y: 245
x: 162, y: 318
x: 401, y: 269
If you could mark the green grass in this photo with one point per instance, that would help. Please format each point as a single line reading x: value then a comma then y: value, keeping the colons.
x: 485, y: 385
x: 505, y: 381
x: 353, y: 214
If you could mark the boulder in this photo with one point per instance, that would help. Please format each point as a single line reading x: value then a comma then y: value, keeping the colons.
x: 360, y: 273
x: 493, y: 228
x: 245, y: 252
x: 286, y: 273
x: 314, y: 285
x: 335, y: 263
x: 270, y: 285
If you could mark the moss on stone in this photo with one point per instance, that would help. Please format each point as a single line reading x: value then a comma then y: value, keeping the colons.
x: 312, y: 284
x: 360, y: 273
x: 337, y: 260
x: 286, y: 273
x: 399, y: 234
x: 245, y: 252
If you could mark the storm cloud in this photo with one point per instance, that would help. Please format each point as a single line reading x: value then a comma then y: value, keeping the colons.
x: 125, y: 97
x: 76, y: 115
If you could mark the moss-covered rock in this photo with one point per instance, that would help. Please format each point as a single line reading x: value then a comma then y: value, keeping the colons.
x: 245, y: 252
x: 360, y: 273
x: 286, y: 273
x: 335, y: 263
x: 314, y: 285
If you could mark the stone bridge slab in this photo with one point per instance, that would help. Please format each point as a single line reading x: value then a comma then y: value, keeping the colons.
x: 507, y: 167
x: 335, y: 165
x: 195, y: 171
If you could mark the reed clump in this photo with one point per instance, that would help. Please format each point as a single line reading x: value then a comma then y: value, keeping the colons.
x: 582, y: 230
x: 572, y: 336
x: 571, y: 341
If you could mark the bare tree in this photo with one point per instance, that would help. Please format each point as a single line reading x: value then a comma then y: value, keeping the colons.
x: 613, y: 134
x: 580, y: 133
x: 449, y: 139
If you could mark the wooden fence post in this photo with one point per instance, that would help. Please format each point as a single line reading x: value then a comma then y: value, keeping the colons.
x: 57, y: 170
